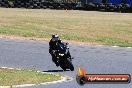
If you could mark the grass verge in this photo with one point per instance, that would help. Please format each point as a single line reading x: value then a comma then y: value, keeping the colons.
x: 84, y: 26
x: 10, y: 77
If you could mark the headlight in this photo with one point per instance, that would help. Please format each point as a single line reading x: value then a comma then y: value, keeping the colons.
x: 61, y: 54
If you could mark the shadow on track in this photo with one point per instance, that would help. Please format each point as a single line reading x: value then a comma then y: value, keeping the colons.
x: 55, y: 71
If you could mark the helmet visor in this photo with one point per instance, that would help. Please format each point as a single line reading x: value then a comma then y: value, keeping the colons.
x: 55, y: 39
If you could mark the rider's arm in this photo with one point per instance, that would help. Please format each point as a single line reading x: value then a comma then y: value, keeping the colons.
x: 50, y: 48
x: 64, y: 43
x: 61, y: 42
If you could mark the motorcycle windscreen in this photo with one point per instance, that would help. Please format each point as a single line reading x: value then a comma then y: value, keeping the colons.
x: 62, y: 48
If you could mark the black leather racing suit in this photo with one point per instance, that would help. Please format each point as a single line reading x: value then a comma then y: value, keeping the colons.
x: 53, y: 46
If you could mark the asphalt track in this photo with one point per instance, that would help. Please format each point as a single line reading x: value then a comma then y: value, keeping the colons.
x: 94, y: 59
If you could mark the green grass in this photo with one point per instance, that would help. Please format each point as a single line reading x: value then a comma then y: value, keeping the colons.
x: 9, y: 77
x: 84, y: 26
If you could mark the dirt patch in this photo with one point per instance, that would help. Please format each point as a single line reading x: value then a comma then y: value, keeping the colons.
x: 45, y: 39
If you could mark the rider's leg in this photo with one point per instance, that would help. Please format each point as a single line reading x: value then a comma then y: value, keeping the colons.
x: 68, y: 54
x: 54, y: 59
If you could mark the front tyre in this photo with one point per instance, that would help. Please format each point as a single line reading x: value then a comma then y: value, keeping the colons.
x: 69, y: 63
x: 63, y: 67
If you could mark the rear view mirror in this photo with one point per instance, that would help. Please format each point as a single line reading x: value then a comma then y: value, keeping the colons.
x: 67, y: 43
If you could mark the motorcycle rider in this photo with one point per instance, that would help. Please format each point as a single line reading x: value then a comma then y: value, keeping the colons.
x: 53, y: 46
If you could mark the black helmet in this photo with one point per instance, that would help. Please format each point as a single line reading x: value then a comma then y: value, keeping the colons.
x: 55, y: 37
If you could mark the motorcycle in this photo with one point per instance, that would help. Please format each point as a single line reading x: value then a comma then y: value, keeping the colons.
x: 62, y: 58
